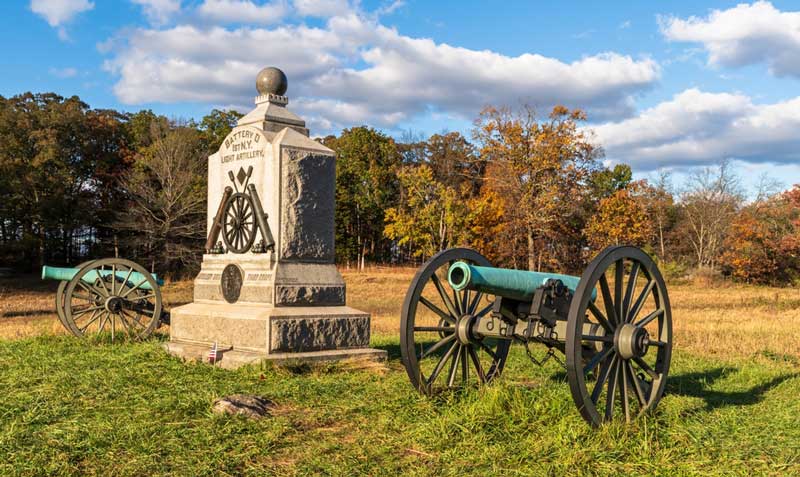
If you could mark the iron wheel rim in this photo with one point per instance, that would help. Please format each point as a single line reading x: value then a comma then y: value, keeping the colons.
x: 637, y: 382
x: 468, y: 360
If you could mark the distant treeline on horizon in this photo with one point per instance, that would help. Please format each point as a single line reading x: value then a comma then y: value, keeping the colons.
x: 528, y: 191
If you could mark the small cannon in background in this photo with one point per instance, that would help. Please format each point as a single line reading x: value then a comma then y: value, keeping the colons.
x: 614, y: 324
x: 108, y: 295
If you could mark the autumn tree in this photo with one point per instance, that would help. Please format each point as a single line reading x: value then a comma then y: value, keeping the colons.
x: 760, y: 247
x: 540, y: 168
x: 621, y: 219
x: 708, y: 207
x: 431, y: 215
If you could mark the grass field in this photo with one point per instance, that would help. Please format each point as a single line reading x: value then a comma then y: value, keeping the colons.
x: 75, y: 407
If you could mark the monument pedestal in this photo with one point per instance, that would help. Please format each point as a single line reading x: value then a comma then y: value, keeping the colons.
x: 268, y: 287
x: 247, y: 334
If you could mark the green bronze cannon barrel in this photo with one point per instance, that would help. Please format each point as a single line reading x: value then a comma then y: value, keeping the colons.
x: 66, y: 274
x: 514, y: 284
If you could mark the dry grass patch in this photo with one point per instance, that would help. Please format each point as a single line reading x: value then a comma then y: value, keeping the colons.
x: 723, y: 320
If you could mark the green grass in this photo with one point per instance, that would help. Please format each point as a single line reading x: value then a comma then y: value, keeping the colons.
x: 72, y: 407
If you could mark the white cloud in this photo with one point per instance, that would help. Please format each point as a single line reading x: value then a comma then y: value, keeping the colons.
x: 158, y: 12
x: 58, y: 12
x: 743, y: 35
x: 355, y: 70
x: 63, y: 72
x: 243, y: 11
x: 321, y: 8
x: 696, y: 127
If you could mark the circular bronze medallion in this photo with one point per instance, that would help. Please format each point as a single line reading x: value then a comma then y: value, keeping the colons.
x: 231, y: 283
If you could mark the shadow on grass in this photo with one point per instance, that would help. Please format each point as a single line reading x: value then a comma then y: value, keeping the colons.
x: 18, y: 314
x: 392, y: 349
x: 697, y: 384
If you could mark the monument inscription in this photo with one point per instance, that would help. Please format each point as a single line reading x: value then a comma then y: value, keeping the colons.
x: 241, y: 145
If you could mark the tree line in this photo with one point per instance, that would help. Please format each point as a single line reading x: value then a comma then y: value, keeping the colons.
x: 527, y: 190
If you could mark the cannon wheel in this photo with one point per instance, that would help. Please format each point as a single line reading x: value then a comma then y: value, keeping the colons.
x: 101, y: 303
x: 629, y: 369
x: 61, y: 294
x: 239, y: 223
x: 433, y: 356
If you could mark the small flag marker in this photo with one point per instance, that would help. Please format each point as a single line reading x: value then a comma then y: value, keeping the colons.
x: 212, y: 354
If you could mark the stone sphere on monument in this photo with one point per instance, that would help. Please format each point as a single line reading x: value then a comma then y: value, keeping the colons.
x: 271, y: 80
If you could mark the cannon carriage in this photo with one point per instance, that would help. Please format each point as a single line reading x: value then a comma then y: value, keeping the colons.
x: 613, y: 324
x: 108, y: 297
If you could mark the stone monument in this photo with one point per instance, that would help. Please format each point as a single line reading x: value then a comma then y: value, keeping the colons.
x: 268, y: 287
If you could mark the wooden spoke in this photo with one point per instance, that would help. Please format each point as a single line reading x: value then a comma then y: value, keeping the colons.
x: 645, y: 367
x: 440, y: 364
x: 448, y: 318
x: 477, y: 363
x: 92, y: 319
x: 605, y: 370
x: 623, y: 378
x: 626, y: 303
x: 601, y: 318
x: 453, y: 368
x: 145, y: 297
x: 94, y: 291
x: 607, y: 300
x: 443, y: 294
x: 457, y: 302
x: 144, y: 280
x: 597, y: 359
x: 612, y: 390
x: 103, y: 321
x: 484, y: 310
x: 464, y: 367
x: 619, y: 278
x: 83, y: 311
x: 603, y: 338
x: 652, y: 316
x: 126, y: 325
x: 434, y: 329
x: 437, y: 345
x: 637, y: 307
x: 637, y: 386
x: 475, y: 301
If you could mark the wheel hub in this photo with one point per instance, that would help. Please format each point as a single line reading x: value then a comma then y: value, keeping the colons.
x: 631, y: 341
x: 114, y: 304
x: 463, y: 326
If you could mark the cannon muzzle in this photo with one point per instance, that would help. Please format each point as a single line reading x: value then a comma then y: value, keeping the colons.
x: 517, y: 285
x: 66, y: 274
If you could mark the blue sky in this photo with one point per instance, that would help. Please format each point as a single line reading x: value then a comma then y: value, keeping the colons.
x: 674, y: 85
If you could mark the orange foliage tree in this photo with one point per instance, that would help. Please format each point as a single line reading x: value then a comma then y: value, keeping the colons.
x: 621, y: 219
x: 539, y: 167
x: 764, y: 241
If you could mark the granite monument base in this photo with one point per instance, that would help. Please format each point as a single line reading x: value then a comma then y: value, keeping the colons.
x: 249, y: 334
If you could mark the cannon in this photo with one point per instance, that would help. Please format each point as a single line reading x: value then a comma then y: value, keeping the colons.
x: 613, y: 324
x: 107, y: 297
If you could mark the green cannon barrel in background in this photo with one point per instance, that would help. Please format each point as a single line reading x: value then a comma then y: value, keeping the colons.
x: 514, y: 284
x: 65, y: 274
